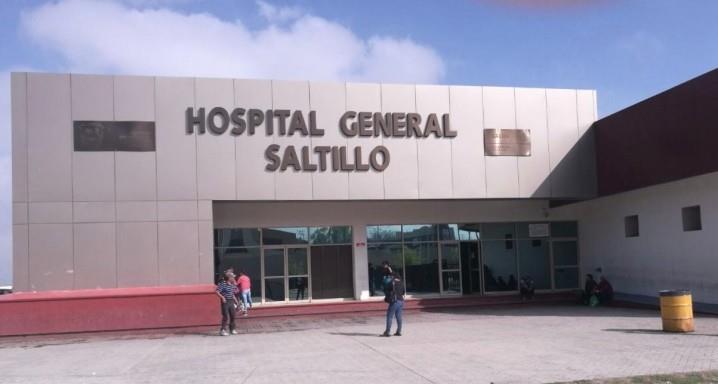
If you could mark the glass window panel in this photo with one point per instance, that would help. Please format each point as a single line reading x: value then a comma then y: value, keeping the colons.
x: 631, y: 226
x: 377, y: 254
x: 419, y: 232
x: 277, y: 236
x: 564, y: 229
x: 469, y: 232
x: 499, y: 266
x: 383, y: 233
x: 448, y: 232
x: 535, y: 262
x: 451, y: 281
x: 274, y: 262
x: 274, y: 289
x: 236, y: 237
x: 450, y: 256
x: 691, y: 218
x: 330, y: 235
x: 566, y: 278
x: 498, y: 231
x: 565, y: 253
x: 297, y: 261
x: 298, y: 288
x: 422, y: 270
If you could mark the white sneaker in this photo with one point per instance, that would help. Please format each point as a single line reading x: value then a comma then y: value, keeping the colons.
x: 234, y: 332
x: 223, y: 333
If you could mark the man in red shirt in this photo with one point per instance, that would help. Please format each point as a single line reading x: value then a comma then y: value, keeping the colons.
x: 245, y: 284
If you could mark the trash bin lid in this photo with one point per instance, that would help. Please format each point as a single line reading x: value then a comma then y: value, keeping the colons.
x: 675, y: 292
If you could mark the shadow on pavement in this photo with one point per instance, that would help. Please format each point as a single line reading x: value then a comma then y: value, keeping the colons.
x: 353, y: 334
x: 656, y: 332
x: 539, y: 309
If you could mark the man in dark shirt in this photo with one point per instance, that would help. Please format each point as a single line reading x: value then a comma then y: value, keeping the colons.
x: 228, y: 302
x: 394, y: 296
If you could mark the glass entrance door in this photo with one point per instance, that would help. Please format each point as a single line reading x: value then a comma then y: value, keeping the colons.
x: 470, y: 270
x: 450, y: 263
x: 298, y: 273
x: 286, y: 274
x: 274, y: 274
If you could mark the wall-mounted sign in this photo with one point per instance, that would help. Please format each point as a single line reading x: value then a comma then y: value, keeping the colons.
x: 507, y: 142
x: 538, y: 230
x: 338, y: 158
x: 127, y: 136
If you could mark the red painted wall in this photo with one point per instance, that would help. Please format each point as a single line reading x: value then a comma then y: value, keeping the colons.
x: 668, y: 137
x: 107, y: 309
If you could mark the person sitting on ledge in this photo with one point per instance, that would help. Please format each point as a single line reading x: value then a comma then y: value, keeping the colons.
x: 526, y: 286
x: 604, y: 291
x: 589, y: 289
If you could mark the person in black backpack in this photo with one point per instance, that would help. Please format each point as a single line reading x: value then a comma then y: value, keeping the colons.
x: 394, y: 296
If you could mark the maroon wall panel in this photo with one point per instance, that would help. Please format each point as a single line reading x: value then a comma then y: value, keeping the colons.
x: 667, y: 137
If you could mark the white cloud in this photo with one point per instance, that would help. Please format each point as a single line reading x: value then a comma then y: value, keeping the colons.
x: 112, y: 37
x: 278, y: 14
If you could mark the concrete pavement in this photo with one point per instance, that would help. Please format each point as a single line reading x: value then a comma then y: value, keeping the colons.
x: 530, y: 344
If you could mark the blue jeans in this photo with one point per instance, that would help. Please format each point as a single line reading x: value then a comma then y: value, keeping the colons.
x: 247, y: 299
x: 393, y: 310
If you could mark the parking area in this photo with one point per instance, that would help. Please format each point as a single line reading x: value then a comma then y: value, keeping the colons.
x: 522, y: 344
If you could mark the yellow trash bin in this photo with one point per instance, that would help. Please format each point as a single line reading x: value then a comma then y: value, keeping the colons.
x: 677, y: 311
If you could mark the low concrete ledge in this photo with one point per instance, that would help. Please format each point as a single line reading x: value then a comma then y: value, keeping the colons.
x: 32, y: 313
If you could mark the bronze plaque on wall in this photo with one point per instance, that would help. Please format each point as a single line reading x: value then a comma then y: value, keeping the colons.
x: 507, y: 142
x: 129, y: 136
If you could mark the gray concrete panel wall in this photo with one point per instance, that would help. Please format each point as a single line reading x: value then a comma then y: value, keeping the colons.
x: 366, y: 185
x: 215, y: 154
x: 502, y: 175
x: 330, y: 98
x: 468, y: 162
x: 563, y: 136
x: 531, y: 114
x: 253, y: 182
x: 129, y: 206
x: 434, y: 156
x: 49, y: 134
x: 401, y: 179
x: 18, y: 84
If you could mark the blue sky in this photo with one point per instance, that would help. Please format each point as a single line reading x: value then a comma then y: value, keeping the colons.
x: 626, y: 50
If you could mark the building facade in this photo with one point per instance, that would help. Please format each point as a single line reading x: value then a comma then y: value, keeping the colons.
x: 122, y: 181
x: 653, y: 225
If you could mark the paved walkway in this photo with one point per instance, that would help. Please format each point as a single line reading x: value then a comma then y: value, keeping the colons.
x: 478, y: 345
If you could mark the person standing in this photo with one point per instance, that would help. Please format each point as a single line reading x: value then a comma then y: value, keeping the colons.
x: 245, y: 291
x: 394, y: 296
x: 228, y: 302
